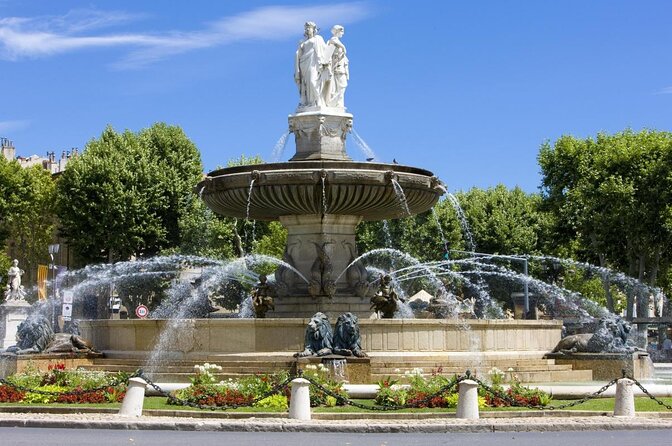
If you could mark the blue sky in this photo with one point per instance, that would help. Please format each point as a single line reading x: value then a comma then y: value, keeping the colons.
x: 468, y: 90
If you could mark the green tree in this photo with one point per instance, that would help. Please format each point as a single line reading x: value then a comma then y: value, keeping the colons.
x: 126, y: 194
x: 503, y: 221
x: 611, y: 198
x: 26, y: 213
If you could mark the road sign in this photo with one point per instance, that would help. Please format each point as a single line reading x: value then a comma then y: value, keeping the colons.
x: 68, y: 297
x: 141, y: 311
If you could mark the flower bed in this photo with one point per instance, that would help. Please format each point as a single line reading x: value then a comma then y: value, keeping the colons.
x: 59, y: 385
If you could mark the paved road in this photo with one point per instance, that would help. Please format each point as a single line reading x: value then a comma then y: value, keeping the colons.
x: 98, y: 437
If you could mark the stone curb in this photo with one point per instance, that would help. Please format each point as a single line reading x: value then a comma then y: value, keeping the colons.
x: 363, y: 426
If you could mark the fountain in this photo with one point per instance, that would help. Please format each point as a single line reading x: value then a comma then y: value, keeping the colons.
x: 319, y: 196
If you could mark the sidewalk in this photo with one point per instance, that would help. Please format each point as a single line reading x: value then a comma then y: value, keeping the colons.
x: 523, y: 422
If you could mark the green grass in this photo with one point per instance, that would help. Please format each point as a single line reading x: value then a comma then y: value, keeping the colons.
x: 159, y: 403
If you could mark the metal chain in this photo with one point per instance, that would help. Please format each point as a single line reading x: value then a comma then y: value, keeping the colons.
x: 114, y: 383
x: 512, y: 401
x: 180, y: 402
x: 416, y: 404
x: 647, y: 393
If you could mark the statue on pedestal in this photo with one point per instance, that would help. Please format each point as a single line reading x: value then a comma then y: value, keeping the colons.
x: 339, y: 69
x: 311, y: 67
x: 14, y: 289
x: 262, y: 297
x: 386, y: 301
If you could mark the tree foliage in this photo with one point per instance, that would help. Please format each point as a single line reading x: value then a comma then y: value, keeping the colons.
x: 26, y: 212
x: 127, y: 193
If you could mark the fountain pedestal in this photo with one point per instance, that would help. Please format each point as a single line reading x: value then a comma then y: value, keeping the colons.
x: 320, y: 134
x: 12, y: 313
x: 320, y: 247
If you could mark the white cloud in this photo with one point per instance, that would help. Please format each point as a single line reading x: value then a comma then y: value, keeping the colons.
x: 12, y: 126
x: 41, y: 37
x: 666, y: 90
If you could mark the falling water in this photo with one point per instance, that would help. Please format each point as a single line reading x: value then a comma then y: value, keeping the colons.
x: 249, y: 200
x: 247, y: 213
x: 336, y: 368
x: 401, y: 197
x: 364, y: 147
x: 387, y: 234
x: 324, y: 197
x: 279, y: 147
x: 200, y: 192
x: 464, y: 224
x: 444, y: 242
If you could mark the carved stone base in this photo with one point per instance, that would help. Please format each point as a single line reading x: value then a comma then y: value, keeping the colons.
x: 12, y: 313
x: 320, y: 247
x: 320, y: 135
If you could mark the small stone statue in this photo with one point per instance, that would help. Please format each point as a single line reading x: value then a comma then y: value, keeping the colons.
x: 262, y: 297
x: 386, y: 301
x: 339, y: 69
x: 611, y: 336
x: 311, y: 67
x: 14, y: 289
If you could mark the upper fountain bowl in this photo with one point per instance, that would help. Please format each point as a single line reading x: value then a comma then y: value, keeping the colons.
x: 269, y: 191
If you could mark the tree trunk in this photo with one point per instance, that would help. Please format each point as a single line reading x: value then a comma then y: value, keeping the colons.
x: 606, y: 283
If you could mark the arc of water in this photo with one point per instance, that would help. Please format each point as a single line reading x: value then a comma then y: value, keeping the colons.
x: 464, y: 224
x: 444, y: 242
x: 279, y: 147
x: 401, y: 196
x: 363, y: 146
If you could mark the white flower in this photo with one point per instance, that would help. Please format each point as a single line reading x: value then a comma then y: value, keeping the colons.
x: 311, y: 367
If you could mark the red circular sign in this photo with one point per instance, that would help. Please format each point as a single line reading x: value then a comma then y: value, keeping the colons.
x: 141, y: 311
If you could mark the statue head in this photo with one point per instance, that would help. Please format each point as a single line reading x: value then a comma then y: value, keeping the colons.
x: 15, y: 262
x: 262, y: 278
x: 337, y: 30
x: 310, y: 29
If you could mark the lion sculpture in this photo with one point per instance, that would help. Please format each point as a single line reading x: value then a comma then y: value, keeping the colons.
x: 611, y: 336
x: 35, y: 335
x: 347, y: 341
x: 318, y: 339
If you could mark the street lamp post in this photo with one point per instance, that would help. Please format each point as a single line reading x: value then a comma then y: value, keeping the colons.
x: 53, y: 249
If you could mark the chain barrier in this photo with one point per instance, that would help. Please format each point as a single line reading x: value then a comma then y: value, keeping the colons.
x: 647, y: 393
x: 115, y: 383
x: 280, y: 387
x: 515, y: 403
x: 416, y: 404
x: 181, y: 402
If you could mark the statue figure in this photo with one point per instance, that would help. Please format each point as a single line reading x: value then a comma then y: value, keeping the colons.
x: 35, y: 335
x: 311, y: 67
x: 318, y: 338
x: 386, y: 300
x: 611, y: 336
x: 347, y: 340
x: 339, y: 69
x: 262, y: 297
x: 14, y: 290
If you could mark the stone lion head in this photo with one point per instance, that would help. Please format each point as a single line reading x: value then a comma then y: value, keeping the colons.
x: 318, y: 338
x: 34, y: 334
x: 347, y: 340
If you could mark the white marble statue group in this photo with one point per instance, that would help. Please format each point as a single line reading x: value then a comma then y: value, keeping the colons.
x: 321, y: 69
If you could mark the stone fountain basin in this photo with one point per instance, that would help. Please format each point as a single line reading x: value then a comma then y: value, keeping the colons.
x: 295, y: 188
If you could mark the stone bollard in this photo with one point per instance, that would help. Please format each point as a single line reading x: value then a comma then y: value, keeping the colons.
x: 299, y: 405
x: 467, y: 402
x: 134, y: 399
x: 624, y: 405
